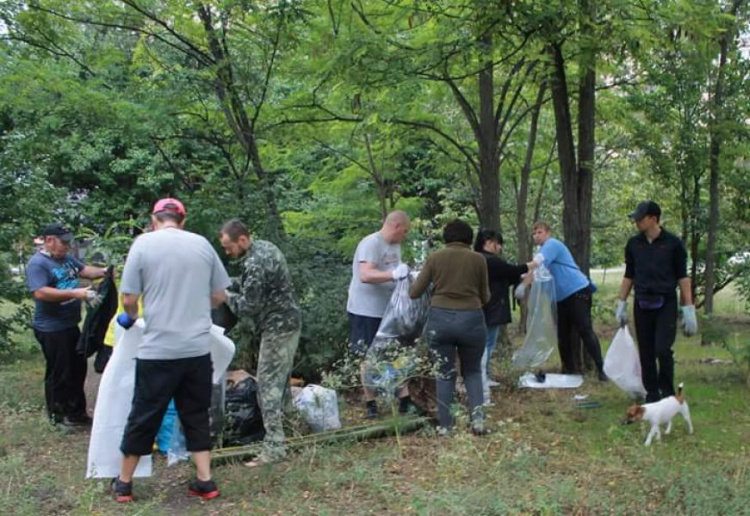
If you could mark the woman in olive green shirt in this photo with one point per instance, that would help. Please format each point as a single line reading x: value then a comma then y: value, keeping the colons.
x: 455, y: 322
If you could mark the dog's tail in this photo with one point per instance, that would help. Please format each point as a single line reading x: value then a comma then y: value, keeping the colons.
x: 680, y: 396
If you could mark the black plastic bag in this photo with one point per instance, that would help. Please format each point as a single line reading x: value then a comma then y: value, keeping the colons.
x: 243, y: 421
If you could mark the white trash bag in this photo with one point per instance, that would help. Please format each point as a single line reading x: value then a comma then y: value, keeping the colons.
x: 115, y: 398
x: 623, y: 365
x: 319, y: 406
x: 541, y: 323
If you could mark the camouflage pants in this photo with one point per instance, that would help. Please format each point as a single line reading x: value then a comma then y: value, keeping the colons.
x: 274, y: 366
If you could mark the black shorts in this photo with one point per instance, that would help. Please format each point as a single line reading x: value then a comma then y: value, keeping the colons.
x: 188, y: 381
x: 362, y: 331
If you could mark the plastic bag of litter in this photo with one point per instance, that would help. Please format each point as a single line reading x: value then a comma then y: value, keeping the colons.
x: 541, y: 322
x: 404, y: 317
x: 623, y: 365
x: 319, y: 407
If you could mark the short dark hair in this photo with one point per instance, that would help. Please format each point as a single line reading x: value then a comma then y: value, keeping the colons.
x: 234, y: 229
x: 164, y: 216
x: 485, y: 235
x: 458, y: 231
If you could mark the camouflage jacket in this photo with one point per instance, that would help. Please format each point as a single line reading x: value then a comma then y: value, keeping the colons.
x: 262, y: 297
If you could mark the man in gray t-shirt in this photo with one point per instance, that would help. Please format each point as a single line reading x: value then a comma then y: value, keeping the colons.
x: 180, y: 277
x: 375, y: 268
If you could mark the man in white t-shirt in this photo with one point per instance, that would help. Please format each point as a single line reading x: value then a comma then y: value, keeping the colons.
x: 180, y: 277
x: 375, y: 269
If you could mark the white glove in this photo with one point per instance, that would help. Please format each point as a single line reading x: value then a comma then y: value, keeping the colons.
x: 93, y: 299
x: 520, y: 292
x: 689, y: 321
x: 538, y: 258
x: 400, y: 272
x: 621, y: 315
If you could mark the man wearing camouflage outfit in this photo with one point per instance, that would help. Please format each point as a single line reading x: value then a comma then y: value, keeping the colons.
x: 262, y: 297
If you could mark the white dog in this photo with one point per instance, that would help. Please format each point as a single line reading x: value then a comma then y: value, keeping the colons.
x: 659, y: 413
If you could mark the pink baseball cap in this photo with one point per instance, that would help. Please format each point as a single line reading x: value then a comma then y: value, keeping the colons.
x: 169, y: 205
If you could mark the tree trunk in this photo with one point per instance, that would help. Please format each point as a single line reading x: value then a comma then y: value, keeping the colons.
x: 715, y: 155
x: 236, y: 115
x: 523, y: 253
x: 489, y: 174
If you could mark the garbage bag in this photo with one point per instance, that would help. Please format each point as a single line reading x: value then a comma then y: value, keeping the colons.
x: 243, y: 420
x: 164, y: 436
x: 404, y: 318
x: 177, y: 449
x: 319, y: 407
x: 391, y: 358
x: 113, y: 404
x: 623, y: 365
x: 541, y: 322
x: 115, y: 398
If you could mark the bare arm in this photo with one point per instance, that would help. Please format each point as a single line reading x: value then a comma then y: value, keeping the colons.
x: 686, y: 292
x: 625, y: 286
x: 369, y: 273
x: 218, y: 297
x: 56, y: 295
x: 89, y: 272
x: 130, y: 303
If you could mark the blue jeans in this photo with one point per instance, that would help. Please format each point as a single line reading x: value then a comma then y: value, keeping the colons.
x: 492, y: 332
x: 462, y: 331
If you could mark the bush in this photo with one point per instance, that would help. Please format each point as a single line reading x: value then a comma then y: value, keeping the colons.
x: 14, y: 315
x: 321, y: 279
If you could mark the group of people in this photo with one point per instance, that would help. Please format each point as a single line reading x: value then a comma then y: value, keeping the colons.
x: 470, y: 307
x: 174, y: 277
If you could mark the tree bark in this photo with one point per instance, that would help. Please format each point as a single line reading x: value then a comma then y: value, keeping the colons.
x: 489, y: 173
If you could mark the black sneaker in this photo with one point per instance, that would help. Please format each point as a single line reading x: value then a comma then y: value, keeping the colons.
x: 206, y: 489
x: 603, y: 376
x: 123, y: 491
x: 372, y: 410
x: 78, y: 420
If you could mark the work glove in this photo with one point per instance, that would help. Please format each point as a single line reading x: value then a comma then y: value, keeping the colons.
x: 689, y: 321
x: 125, y: 320
x: 622, y: 313
x: 400, y: 272
x: 520, y: 292
x: 93, y: 298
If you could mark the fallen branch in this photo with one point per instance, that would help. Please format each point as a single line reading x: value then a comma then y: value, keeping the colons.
x: 356, y: 433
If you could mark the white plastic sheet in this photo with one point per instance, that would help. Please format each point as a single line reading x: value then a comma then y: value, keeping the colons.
x: 115, y: 398
x: 623, y: 365
x: 541, y: 323
x: 551, y: 381
x: 319, y: 406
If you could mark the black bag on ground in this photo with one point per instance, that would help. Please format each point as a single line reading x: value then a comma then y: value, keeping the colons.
x: 243, y: 422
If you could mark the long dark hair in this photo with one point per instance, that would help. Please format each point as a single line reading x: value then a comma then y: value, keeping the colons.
x: 483, y: 235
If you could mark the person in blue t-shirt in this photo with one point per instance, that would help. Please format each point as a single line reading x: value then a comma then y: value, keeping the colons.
x: 52, y: 278
x: 573, y: 291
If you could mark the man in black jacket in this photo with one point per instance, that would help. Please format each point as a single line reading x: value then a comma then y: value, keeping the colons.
x: 501, y: 275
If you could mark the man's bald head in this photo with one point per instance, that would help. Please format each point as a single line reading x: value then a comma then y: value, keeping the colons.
x: 395, y: 227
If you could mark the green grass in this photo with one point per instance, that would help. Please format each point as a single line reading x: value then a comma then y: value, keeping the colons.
x: 545, y: 456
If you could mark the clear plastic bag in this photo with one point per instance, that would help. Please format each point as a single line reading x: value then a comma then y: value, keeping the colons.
x: 623, y: 365
x: 541, y: 323
x: 319, y: 407
x: 404, y: 317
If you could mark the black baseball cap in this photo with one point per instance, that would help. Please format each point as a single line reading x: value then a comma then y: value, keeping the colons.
x: 58, y: 230
x: 644, y: 209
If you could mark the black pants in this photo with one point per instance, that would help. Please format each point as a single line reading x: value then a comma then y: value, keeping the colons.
x: 575, y: 312
x: 64, y: 374
x: 188, y: 381
x: 656, y: 331
x: 449, y: 331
